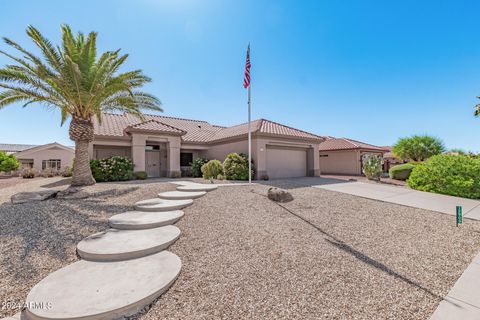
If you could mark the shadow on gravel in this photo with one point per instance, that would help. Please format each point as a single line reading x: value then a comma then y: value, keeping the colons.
x: 361, y: 256
x: 293, y: 183
x: 60, y: 183
x: 113, y: 192
x: 49, y: 228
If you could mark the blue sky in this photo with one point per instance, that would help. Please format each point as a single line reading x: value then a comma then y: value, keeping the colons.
x: 369, y: 70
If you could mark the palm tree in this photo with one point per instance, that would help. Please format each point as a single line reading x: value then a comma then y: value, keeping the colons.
x: 74, y: 79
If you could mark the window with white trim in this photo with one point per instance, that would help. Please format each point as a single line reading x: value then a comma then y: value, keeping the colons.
x: 54, y: 164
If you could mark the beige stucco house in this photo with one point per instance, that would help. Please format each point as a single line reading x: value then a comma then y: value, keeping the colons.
x: 161, y: 145
x: 344, y: 156
x: 48, y: 156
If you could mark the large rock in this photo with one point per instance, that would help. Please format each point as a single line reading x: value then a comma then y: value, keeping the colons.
x: 279, y: 195
x: 72, y: 194
x: 24, y: 197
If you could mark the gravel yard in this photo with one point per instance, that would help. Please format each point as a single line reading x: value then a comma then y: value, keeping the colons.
x: 325, y: 255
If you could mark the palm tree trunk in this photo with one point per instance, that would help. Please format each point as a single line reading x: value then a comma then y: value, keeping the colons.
x: 81, y: 131
x: 82, y: 174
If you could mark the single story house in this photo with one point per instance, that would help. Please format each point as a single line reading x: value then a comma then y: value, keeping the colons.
x: 344, y: 156
x: 162, y: 145
x: 40, y: 157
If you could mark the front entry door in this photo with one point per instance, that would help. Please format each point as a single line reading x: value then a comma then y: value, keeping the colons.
x: 152, y: 163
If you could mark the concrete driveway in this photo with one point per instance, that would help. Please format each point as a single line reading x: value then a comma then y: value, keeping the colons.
x: 408, y: 197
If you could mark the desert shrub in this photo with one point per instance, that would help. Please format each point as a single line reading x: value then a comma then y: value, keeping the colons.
x: 197, y: 164
x: 401, y: 171
x: 372, y: 166
x: 8, y: 162
x: 67, y: 172
x: 140, y: 175
x: 212, y: 169
x: 28, y: 173
x: 456, y: 175
x: 112, y: 169
x: 418, y: 148
x: 235, y: 167
x: 220, y: 177
x: 49, y: 173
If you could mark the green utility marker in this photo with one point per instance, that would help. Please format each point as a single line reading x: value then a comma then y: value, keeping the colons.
x: 459, y: 215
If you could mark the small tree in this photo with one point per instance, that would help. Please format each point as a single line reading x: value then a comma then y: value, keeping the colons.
x: 8, y: 162
x: 418, y: 147
x: 372, y: 166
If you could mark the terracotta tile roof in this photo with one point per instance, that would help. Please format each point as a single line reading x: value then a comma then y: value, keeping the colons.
x: 154, y: 125
x: 195, y: 131
x: 346, y: 144
x: 263, y: 126
x: 115, y: 124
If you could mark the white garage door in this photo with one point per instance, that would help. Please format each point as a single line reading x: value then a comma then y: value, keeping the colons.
x: 286, y: 162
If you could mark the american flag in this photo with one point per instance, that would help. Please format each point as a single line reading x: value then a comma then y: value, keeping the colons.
x: 246, y: 79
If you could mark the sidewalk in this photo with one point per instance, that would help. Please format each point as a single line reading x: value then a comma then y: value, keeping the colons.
x: 408, y: 197
x: 463, y: 300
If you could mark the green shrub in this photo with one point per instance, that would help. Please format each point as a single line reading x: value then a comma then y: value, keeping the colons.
x: 197, y: 166
x: 235, y: 167
x: 456, y: 175
x: 112, y: 169
x: 140, y: 175
x: 372, y: 166
x: 8, y: 162
x: 212, y: 169
x: 401, y: 171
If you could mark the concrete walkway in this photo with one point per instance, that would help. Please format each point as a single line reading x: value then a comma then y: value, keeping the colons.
x: 463, y: 300
x: 408, y: 197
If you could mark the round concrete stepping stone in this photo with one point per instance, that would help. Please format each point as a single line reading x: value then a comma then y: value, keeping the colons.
x: 197, y: 187
x: 103, y: 290
x: 135, y: 220
x: 115, y: 245
x: 157, y: 204
x: 179, y: 195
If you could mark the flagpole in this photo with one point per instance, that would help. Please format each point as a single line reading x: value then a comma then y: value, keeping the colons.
x: 249, y: 139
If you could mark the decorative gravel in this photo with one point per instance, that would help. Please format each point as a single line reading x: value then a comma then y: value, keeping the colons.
x: 325, y: 255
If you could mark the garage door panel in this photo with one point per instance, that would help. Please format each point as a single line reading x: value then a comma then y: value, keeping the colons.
x: 286, y: 162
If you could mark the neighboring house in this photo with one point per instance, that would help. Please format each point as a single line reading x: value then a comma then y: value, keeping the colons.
x: 344, y: 156
x: 14, y: 148
x: 162, y: 146
x: 390, y: 159
x: 48, y: 156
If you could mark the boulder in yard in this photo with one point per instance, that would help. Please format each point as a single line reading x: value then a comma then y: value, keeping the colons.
x: 24, y: 197
x: 73, y: 194
x: 279, y: 195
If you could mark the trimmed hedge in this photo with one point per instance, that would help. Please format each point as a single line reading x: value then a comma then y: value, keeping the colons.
x: 212, y: 169
x: 112, y: 169
x: 456, y: 175
x: 235, y: 167
x: 401, y: 171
